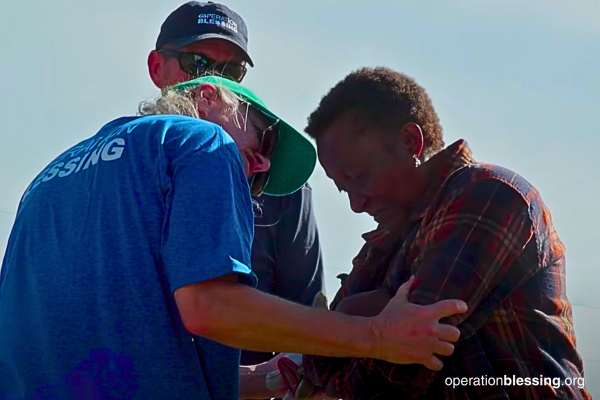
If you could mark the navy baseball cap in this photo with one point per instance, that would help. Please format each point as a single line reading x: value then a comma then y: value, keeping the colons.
x: 195, y: 21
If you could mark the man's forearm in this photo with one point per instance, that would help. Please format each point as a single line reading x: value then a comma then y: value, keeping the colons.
x: 241, y: 317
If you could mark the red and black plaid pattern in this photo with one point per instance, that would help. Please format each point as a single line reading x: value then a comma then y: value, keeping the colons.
x: 483, y: 235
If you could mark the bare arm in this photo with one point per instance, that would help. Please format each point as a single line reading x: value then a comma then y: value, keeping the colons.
x: 239, y: 316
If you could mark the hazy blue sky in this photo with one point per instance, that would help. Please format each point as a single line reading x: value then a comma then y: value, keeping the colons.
x: 517, y: 79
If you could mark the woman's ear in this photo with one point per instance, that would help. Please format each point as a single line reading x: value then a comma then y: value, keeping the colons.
x: 411, y: 138
x: 206, y: 97
x: 257, y: 162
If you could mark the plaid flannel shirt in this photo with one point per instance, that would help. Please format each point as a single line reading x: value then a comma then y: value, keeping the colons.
x: 482, y: 235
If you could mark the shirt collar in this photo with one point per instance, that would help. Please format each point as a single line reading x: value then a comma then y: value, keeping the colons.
x: 447, y: 161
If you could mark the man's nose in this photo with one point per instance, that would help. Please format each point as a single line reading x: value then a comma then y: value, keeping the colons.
x: 357, y: 202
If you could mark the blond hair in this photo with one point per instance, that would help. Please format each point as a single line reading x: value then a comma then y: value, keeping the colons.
x: 172, y: 102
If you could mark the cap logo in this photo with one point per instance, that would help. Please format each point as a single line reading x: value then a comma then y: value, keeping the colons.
x: 219, y: 20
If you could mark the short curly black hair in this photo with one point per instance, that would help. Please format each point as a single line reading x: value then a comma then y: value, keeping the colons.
x: 384, y: 97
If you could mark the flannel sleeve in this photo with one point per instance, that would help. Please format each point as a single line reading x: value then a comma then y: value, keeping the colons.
x: 468, y: 250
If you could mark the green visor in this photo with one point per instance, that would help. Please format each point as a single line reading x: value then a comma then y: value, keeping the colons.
x: 294, y: 158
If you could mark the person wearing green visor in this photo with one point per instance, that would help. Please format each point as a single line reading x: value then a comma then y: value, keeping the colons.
x: 267, y: 323
x: 135, y: 242
x: 292, y: 157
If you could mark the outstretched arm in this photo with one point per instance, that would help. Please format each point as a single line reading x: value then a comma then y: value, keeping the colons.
x: 242, y: 317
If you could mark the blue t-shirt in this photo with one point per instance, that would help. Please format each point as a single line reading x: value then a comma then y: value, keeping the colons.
x: 102, y: 239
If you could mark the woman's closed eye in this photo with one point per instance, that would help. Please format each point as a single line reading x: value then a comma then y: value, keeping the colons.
x: 358, y: 178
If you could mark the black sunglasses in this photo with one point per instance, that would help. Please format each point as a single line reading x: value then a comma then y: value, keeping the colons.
x: 268, y: 143
x: 197, y: 65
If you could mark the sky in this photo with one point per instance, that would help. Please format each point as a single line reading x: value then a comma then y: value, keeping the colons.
x: 517, y: 79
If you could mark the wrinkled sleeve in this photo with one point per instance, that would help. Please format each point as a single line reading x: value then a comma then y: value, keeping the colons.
x: 469, y: 252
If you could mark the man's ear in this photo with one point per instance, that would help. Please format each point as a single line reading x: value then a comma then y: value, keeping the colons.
x: 206, y: 96
x: 155, y: 67
x: 411, y: 139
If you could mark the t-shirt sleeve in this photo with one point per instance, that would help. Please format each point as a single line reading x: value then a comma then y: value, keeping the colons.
x: 208, y: 227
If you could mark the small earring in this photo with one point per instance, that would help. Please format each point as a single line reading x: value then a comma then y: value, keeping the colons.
x: 417, y: 161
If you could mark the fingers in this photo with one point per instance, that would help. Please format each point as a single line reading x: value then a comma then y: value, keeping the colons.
x: 447, y: 333
x: 434, y: 363
x: 431, y: 350
x: 402, y: 293
x: 444, y: 348
x: 447, y: 308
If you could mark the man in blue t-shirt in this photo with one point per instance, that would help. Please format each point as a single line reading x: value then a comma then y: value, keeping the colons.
x: 138, y: 238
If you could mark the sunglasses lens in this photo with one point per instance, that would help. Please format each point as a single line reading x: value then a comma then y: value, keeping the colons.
x: 259, y: 183
x: 271, y: 136
x: 191, y: 64
x: 235, y: 72
x: 197, y: 65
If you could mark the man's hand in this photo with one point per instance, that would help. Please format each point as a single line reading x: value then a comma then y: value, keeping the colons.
x: 407, y: 333
x: 403, y: 333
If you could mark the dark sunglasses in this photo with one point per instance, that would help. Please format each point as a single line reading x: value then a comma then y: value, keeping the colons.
x: 268, y: 143
x: 197, y: 65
